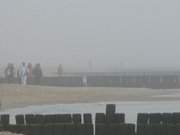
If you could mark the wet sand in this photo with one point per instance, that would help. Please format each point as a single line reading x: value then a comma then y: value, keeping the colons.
x: 12, y: 96
x: 8, y: 133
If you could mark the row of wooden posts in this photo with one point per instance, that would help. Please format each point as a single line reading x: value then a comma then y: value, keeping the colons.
x: 141, y: 81
x: 109, y: 123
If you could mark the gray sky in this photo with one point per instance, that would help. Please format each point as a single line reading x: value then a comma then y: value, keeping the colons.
x: 111, y: 33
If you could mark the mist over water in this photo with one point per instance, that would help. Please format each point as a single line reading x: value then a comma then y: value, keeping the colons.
x: 105, y: 35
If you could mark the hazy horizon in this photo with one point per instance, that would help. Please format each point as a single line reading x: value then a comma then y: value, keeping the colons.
x: 112, y: 35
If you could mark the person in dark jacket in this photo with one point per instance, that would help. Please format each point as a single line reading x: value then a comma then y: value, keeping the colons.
x: 9, y: 73
x: 29, y: 73
x: 37, y: 74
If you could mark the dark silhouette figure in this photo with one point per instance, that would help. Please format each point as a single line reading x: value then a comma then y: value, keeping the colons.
x: 37, y: 74
x: 60, y: 70
x: 18, y: 76
x: 29, y: 73
x: 9, y: 73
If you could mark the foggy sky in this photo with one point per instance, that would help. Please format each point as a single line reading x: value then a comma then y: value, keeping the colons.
x: 108, y: 33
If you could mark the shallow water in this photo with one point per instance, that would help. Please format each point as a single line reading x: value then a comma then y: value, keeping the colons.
x: 129, y: 108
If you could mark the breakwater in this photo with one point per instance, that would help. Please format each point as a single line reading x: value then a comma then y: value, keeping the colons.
x: 131, y: 80
x: 108, y: 123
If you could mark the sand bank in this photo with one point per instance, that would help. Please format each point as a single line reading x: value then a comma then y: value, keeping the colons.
x: 12, y: 96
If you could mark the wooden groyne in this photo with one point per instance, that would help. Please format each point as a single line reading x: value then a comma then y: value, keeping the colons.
x: 109, y: 123
x: 131, y: 80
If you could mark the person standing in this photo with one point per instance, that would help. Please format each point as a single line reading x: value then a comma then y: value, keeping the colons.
x: 60, y: 70
x: 37, y: 74
x: 29, y: 73
x: 23, y: 73
x: 18, y: 76
x: 84, y: 81
x: 9, y: 73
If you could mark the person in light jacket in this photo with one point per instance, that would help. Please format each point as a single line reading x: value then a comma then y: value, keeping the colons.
x: 23, y: 73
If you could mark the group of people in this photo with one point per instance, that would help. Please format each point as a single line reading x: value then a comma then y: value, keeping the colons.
x: 26, y: 73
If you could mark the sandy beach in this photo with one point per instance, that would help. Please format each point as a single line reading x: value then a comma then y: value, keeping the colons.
x: 12, y: 96
x: 8, y: 133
